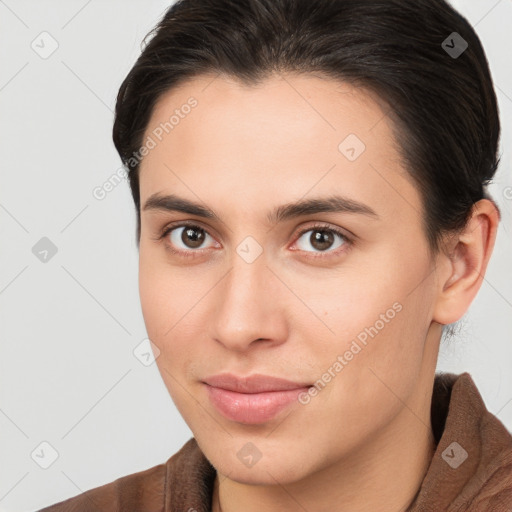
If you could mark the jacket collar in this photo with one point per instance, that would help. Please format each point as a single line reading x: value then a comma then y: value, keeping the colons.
x: 472, y: 466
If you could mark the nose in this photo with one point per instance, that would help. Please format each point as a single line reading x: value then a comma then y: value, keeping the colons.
x: 249, y: 307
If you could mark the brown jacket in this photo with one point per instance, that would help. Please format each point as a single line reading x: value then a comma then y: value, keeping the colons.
x: 471, y: 470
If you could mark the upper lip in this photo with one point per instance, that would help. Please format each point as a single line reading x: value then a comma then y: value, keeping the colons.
x: 256, y: 383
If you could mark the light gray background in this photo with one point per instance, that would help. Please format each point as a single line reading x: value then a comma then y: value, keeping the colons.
x: 69, y: 326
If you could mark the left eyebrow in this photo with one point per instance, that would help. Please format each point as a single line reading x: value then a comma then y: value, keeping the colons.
x: 333, y: 204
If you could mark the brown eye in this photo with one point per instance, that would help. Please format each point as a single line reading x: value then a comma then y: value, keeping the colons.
x: 193, y: 237
x: 322, y: 239
x: 184, y: 238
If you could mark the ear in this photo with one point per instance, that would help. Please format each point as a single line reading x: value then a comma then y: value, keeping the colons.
x: 463, y: 265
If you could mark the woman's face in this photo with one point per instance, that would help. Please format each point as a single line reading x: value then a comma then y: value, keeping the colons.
x: 263, y: 288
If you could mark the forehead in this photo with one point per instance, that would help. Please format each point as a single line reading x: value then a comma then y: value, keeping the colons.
x: 292, y: 106
x: 286, y: 136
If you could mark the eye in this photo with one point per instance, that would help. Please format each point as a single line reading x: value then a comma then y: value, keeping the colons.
x: 184, y: 239
x: 187, y: 239
x: 322, y: 238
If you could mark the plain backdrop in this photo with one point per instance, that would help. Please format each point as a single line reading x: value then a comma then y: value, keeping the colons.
x: 74, y: 396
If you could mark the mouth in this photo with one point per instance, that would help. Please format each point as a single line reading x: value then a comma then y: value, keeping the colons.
x: 252, y: 400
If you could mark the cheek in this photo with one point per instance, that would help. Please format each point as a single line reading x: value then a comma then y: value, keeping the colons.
x: 381, y: 358
x: 379, y: 320
x: 164, y: 310
x: 151, y: 292
x: 160, y: 296
x: 168, y: 298
x: 357, y: 304
x: 368, y: 373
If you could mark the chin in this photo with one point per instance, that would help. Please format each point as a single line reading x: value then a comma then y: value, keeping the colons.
x: 267, y: 470
x: 267, y: 474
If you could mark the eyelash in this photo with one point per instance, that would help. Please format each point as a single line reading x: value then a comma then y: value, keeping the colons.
x: 348, y: 242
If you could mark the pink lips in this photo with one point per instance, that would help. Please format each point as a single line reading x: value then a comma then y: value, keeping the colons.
x: 252, y: 400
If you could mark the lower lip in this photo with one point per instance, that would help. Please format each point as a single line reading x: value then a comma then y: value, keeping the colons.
x: 252, y: 408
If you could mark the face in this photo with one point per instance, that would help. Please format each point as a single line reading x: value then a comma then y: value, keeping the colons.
x: 339, y: 298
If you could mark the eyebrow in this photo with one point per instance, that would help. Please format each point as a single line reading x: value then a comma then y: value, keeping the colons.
x: 334, y: 204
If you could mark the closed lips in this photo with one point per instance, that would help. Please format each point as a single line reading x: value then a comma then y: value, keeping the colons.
x: 256, y: 383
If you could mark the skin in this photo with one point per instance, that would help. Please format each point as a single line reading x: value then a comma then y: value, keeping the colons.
x: 241, y: 152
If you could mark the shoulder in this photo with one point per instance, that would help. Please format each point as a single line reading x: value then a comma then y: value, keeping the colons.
x: 144, y: 490
x: 183, y: 482
x: 490, y: 445
x: 472, y: 465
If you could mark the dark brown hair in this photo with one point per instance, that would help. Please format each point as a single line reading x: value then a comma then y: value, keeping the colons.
x: 443, y: 105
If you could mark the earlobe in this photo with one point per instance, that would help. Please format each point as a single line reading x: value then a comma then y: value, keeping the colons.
x: 467, y: 262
